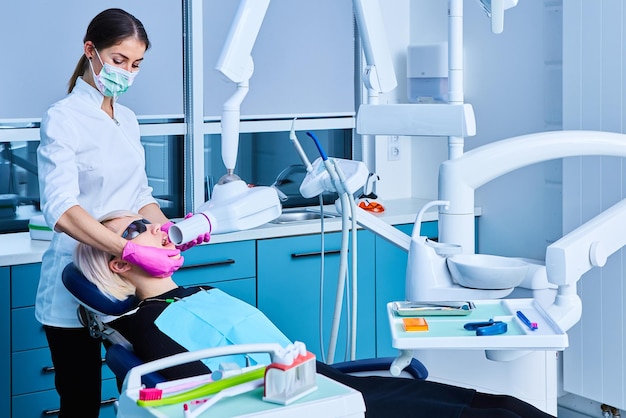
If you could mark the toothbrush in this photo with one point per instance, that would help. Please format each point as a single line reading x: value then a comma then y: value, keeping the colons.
x: 152, y: 394
x: 205, y: 390
x: 232, y: 391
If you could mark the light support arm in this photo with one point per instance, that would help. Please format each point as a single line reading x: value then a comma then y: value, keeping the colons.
x: 379, y: 75
x: 235, y: 63
x: 231, y: 115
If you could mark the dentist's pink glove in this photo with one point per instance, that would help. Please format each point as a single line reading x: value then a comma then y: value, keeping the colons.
x: 202, y: 238
x: 158, y: 262
x: 166, y: 226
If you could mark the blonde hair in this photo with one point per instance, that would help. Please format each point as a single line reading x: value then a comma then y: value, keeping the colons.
x: 94, y: 264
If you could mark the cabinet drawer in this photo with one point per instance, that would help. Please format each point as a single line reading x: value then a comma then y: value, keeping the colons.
x: 289, y: 290
x: 26, y: 331
x: 32, y: 371
x: 46, y: 403
x: 217, y: 262
x: 24, y: 281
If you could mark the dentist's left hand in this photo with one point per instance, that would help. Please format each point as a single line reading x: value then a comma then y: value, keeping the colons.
x: 158, y: 262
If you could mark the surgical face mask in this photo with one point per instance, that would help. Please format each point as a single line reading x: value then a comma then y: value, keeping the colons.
x: 112, y: 81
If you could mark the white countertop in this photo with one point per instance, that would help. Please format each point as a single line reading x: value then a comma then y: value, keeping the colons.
x: 18, y: 248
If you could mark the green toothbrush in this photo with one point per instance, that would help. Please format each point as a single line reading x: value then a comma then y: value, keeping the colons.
x: 205, y: 390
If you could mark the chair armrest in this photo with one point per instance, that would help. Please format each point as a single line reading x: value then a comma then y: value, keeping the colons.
x: 120, y: 360
x: 415, y: 368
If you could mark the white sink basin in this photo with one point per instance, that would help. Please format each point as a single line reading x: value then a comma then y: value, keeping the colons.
x: 484, y: 271
x: 298, y: 215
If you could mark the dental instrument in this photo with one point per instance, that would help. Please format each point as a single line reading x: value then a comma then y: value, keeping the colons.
x: 531, y: 325
x: 433, y: 308
x: 333, y: 178
x: 344, y: 177
x: 296, y: 144
x: 490, y: 327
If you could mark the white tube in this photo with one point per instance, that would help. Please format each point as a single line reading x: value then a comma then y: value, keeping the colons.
x: 230, y: 126
x: 455, y: 69
x: 353, y: 316
x: 195, y: 226
x: 354, y: 280
x: 343, y: 264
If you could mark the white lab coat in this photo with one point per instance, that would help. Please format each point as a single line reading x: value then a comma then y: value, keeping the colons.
x: 85, y: 158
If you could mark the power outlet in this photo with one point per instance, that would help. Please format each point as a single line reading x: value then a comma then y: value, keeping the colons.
x: 393, y: 148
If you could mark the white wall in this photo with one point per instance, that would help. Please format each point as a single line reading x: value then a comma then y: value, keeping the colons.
x: 511, y: 80
x: 395, y: 176
x: 593, y: 96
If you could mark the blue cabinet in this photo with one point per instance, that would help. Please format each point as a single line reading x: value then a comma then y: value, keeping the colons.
x: 231, y: 267
x: 5, y: 343
x: 289, y: 288
x: 31, y: 378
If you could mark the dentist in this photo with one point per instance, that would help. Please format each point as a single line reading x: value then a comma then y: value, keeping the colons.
x: 90, y: 162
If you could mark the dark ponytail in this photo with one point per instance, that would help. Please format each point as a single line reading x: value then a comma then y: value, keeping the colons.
x: 109, y: 28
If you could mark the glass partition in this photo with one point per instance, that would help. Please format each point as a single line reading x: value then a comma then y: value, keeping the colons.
x: 19, y: 185
x: 304, y: 66
x: 267, y: 158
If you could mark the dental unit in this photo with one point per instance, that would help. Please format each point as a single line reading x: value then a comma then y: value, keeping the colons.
x: 567, y: 259
x: 231, y: 208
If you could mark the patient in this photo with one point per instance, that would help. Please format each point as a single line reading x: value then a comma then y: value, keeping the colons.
x: 383, y: 396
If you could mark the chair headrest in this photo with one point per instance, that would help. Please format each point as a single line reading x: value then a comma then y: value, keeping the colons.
x: 91, y: 297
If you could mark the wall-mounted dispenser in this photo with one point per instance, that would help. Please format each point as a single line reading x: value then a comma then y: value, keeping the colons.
x: 427, y: 73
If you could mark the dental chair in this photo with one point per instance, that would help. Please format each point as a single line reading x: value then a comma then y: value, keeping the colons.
x: 120, y: 357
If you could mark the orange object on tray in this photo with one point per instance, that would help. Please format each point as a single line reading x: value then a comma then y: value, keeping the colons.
x: 371, y: 206
x: 415, y: 324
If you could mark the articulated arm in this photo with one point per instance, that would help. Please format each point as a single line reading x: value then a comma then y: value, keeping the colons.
x: 584, y: 248
x: 235, y: 63
x: 460, y: 177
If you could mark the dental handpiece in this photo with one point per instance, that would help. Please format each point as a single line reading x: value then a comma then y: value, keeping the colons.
x: 298, y: 147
